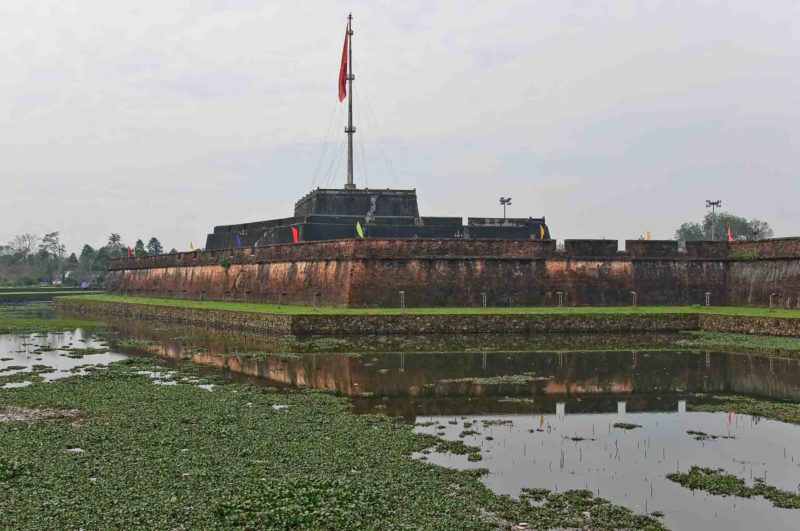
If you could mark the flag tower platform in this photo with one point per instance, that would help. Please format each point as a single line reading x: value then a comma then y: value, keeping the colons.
x: 349, y: 212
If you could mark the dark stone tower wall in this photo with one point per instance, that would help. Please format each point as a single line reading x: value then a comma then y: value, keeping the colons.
x: 332, y: 214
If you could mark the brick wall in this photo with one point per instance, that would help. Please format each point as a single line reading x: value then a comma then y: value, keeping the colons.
x: 453, y: 272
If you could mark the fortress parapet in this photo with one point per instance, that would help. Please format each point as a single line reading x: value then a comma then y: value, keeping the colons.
x: 460, y: 272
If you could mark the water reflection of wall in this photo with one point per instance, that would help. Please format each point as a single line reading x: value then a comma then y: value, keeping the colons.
x: 481, y: 374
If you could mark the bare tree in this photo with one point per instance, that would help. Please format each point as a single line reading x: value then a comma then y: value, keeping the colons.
x: 24, y: 245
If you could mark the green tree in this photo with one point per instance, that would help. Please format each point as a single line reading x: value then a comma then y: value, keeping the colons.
x: 88, y: 254
x: 114, y: 246
x: 52, y: 252
x: 101, y: 261
x: 741, y: 228
x: 138, y: 248
x: 154, y: 247
x: 86, y: 262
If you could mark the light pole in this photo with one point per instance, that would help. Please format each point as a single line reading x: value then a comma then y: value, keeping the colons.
x: 713, y: 205
x: 505, y: 201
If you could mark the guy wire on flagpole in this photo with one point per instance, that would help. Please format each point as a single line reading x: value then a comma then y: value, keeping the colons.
x: 350, y: 129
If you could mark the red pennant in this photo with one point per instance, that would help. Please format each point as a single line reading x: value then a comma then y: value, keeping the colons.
x: 730, y: 235
x: 343, y: 71
x: 730, y: 415
x: 129, y: 251
x: 295, y: 235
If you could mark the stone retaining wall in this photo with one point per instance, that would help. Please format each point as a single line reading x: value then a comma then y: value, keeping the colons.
x: 530, y: 323
x: 745, y: 324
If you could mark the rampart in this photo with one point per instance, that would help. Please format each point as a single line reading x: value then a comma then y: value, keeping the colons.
x: 454, y: 272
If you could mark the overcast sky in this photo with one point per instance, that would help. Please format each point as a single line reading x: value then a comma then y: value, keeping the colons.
x: 166, y: 118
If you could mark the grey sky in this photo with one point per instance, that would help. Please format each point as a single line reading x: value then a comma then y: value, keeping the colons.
x: 166, y: 118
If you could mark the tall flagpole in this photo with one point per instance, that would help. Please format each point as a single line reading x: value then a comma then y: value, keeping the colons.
x: 350, y: 129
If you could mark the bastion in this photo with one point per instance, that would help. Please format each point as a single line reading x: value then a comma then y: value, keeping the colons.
x: 388, y: 272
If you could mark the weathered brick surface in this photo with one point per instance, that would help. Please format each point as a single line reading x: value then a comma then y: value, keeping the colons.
x: 385, y: 324
x: 652, y: 248
x: 744, y: 324
x: 753, y: 282
x: 591, y: 248
x: 453, y: 272
x: 249, y: 321
x: 774, y: 248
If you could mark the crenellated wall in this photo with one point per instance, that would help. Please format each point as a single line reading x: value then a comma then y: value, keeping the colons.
x: 454, y: 272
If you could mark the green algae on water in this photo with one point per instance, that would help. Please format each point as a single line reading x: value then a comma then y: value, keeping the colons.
x: 626, y: 425
x: 716, y: 481
x: 181, y: 457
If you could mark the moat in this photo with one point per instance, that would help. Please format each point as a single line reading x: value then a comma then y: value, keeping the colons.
x: 546, y: 412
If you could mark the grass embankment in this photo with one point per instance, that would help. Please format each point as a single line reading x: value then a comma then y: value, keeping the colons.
x: 24, y: 320
x: 295, y: 309
x: 36, y: 296
x: 155, y: 456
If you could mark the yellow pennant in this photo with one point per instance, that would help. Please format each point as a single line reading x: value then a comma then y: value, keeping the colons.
x: 541, y: 232
x: 191, y: 246
x: 649, y: 236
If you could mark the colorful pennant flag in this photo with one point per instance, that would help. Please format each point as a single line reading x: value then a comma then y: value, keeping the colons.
x: 649, y: 235
x: 238, y: 240
x: 730, y: 235
x: 295, y: 235
x: 129, y: 251
x: 191, y: 246
x: 541, y: 232
x: 343, y: 69
x: 359, y: 230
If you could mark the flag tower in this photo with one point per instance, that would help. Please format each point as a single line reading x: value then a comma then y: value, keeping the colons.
x: 346, y: 74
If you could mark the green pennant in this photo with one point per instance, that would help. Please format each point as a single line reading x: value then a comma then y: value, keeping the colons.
x: 359, y: 230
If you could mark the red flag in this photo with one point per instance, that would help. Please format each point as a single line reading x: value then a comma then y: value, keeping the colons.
x: 730, y: 236
x: 295, y: 235
x: 129, y: 251
x: 343, y: 71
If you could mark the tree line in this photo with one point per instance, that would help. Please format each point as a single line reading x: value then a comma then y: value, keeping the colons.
x: 715, y: 227
x: 29, y: 260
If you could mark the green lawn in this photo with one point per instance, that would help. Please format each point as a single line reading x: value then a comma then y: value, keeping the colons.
x: 46, y: 292
x: 295, y: 310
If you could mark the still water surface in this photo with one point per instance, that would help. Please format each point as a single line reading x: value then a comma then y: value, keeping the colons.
x: 556, y: 400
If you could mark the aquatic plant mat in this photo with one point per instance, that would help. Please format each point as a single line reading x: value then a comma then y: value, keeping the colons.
x: 716, y: 481
x: 180, y: 456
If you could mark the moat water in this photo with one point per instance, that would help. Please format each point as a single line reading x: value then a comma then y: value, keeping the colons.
x: 541, y: 409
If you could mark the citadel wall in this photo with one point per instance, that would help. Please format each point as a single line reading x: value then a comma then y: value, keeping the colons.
x: 452, y: 272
